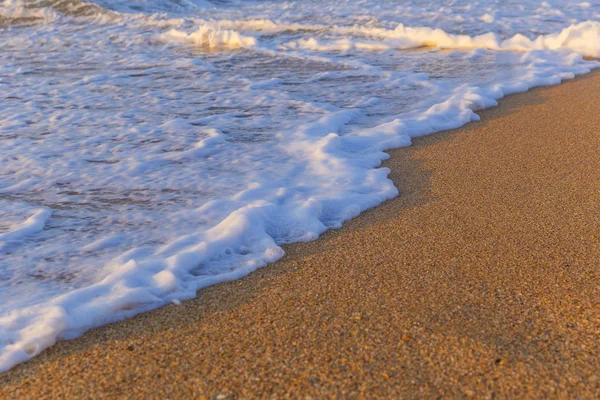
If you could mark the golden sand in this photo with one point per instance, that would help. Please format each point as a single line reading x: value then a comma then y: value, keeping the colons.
x: 481, y: 279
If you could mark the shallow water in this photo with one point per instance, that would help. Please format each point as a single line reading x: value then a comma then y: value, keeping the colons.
x: 150, y: 149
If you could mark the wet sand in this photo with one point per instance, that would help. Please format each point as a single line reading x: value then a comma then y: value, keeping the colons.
x: 481, y: 279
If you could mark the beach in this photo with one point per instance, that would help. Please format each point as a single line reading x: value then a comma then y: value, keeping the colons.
x: 479, y: 280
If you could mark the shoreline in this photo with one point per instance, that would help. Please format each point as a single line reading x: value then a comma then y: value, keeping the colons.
x: 331, y: 317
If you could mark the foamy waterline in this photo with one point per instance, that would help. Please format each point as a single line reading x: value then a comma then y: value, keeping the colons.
x: 182, y: 152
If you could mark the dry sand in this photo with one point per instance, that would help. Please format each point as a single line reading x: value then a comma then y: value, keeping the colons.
x: 481, y: 279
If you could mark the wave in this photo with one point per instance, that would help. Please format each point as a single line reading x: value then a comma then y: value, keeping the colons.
x: 210, y: 36
x: 583, y: 38
x: 15, y: 12
x: 21, y: 12
x: 162, y: 125
x: 156, y: 6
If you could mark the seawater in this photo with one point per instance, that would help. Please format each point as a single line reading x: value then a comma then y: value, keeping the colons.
x: 149, y: 149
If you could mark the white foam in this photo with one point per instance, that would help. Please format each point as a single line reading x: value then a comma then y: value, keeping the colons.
x: 32, y: 225
x: 583, y: 38
x: 210, y: 36
x: 487, y: 18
